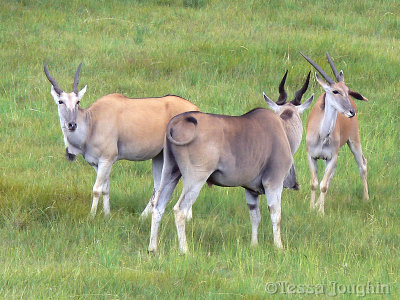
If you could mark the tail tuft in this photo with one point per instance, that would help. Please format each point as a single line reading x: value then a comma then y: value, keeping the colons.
x: 290, y: 181
x: 191, y: 119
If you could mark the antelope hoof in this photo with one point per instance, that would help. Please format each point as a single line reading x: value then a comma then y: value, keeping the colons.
x: 189, y: 215
x: 253, y: 244
x: 183, y: 252
x: 279, y: 245
x: 321, y: 211
x: 146, y: 212
x: 144, y: 215
x: 152, y: 252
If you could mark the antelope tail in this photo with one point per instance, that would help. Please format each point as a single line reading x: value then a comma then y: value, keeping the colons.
x: 170, y: 130
x: 290, y: 181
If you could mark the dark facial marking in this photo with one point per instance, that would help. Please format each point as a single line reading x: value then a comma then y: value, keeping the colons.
x: 290, y: 181
x: 322, y: 106
x: 287, y: 114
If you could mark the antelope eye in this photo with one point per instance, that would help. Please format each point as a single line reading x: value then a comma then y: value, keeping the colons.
x: 60, y: 102
x: 335, y: 92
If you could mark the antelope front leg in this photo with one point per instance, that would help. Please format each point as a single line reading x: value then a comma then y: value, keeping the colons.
x: 363, y: 173
x: 106, y: 197
x: 329, y: 171
x: 101, y: 186
x: 274, y: 206
x: 312, y: 163
x: 146, y: 212
x: 255, y: 216
x: 157, y: 165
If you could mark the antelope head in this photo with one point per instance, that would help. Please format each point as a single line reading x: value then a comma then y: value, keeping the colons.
x: 68, y: 103
x: 286, y: 109
x: 289, y: 112
x: 337, y: 92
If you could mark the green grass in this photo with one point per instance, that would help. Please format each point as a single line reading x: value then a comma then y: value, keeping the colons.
x: 220, y: 55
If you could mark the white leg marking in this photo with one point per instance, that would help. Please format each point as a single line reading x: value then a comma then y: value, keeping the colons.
x: 312, y: 163
x: 189, y: 215
x: 157, y: 165
x: 181, y: 208
x: 160, y: 201
x: 103, y: 175
x: 362, y: 165
x: 106, y: 197
x: 147, y: 211
x: 255, y: 216
x: 274, y: 206
x: 155, y: 223
x: 324, y: 185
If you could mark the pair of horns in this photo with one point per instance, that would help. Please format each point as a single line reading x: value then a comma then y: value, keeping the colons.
x: 298, y: 95
x: 339, y: 76
x: 55, y: 84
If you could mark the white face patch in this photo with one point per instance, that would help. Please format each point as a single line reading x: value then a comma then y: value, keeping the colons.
x: 69, y: 100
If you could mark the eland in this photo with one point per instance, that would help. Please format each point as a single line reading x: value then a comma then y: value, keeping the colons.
x: 252, y: 151
x: 331, y: 124
x: 115, y: 128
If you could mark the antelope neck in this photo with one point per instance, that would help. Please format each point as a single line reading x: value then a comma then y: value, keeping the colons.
x: 294, y: 131
x: 329, y: 119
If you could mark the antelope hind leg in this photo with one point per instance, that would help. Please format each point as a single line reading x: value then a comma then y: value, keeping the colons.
x: 255, y: 216
x: 312, y: 163
x: 274, y: 206
x: 361, y: 161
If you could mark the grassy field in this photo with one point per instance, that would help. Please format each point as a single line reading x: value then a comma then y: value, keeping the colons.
x: 221, y: 55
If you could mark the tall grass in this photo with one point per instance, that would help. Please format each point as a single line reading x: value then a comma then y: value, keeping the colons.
x: 220, y: 55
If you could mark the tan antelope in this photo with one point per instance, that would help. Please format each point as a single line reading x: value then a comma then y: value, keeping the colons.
x: 332, y: 123
x: 252, y: 151
x: 113, y: 128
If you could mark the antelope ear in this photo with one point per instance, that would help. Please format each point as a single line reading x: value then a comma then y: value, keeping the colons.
x: 82, y: 92
x: 55, y: 95
x: 341, y: 75
x: 271, y: 104
x: 301, y: 108
x: 357, y: 96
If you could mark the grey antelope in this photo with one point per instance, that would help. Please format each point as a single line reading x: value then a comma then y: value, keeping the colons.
x: 113, y: 128
x: 332, y: 123
x: 252, y: 151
